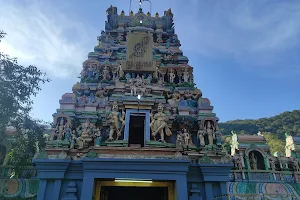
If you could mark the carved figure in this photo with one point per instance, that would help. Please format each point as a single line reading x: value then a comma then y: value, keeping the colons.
x: 105, y: 74
x: 73, y: 140
x: 186, y: 136
x: 85, y: 139
x: 234, y: 143
x: 159, y: 124
x: 296, y: 165
x: 253, y: 161
x: 175, y: 98
x: 171, y: 76
x: 114, y: 124
x: 272, y: 164
x: 239, y: 164
x: 98, y: 137
x: 179, y: 142
x: 218, y: 138
x: 186, y: 76
x: 210, y: 131
x: 60, y: 128
x: 201, y: 134
x: 289, y: 145
x: 120, y: 70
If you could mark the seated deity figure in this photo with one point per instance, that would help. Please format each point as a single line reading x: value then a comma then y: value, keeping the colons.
x: 85, y: 138
x: 114, y: 122
x: 210, y: 131
x: 159, y: 124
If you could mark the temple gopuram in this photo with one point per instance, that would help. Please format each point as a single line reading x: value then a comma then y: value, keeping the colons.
x: 137, y: 127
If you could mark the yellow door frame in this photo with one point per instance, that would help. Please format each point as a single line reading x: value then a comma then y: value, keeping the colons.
x: 169, y: 184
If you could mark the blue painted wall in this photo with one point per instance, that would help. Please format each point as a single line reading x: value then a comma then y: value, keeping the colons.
x: 193, y: 181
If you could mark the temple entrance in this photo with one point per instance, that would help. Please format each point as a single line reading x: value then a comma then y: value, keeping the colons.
x: 136, y: 131
x: 135, y: 193
x: 130, y: 190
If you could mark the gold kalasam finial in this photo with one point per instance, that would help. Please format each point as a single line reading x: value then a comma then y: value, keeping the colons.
x: 131, y: 13
x: 148, y: 14
x: 156, y: 15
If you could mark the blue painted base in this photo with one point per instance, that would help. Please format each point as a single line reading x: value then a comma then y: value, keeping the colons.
x: 68, y: 179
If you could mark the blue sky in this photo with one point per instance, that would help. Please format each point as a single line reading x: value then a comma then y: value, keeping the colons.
x: 245, y: 54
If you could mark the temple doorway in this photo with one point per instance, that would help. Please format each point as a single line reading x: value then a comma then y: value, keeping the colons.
x: 135, y: 193
x: 131, y: 190
x: 136, y: 131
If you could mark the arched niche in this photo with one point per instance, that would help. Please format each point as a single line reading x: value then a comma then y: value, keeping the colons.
x: 259, y: 154
x: 205, y: 120
x: 66, y: 119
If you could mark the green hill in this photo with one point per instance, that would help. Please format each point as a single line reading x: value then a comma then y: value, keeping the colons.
x: 285, y: 122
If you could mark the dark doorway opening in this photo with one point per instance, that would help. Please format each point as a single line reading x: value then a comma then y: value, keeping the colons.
x: 134, y: 193
x: 136, y: 131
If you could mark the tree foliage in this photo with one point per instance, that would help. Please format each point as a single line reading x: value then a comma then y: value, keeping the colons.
x: 279, y: 125
x: 17, y: 85
x: 275, y: 144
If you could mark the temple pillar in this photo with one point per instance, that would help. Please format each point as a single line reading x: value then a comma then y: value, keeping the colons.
x: 87, y: 188
x: 181, y: 188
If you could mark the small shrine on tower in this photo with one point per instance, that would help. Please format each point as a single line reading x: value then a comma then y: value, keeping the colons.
x: 135, y: 123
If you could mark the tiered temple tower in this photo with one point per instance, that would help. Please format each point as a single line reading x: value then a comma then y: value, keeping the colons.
x: 136, y: 114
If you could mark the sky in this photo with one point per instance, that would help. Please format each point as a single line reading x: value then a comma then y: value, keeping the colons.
x: 245, y: 54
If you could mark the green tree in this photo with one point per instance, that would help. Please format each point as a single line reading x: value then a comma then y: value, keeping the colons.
x: 17, y: 85
x: 275, y: 144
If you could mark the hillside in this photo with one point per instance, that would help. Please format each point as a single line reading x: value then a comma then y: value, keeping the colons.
x: 279, y: 124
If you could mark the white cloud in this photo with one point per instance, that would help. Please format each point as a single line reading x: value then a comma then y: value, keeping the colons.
x: 263, y: 35
x: 40, y: 34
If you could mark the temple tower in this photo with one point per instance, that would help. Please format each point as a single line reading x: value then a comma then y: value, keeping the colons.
x: 135, y: 118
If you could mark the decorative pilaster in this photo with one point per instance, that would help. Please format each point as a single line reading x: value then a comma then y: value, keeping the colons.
x: 71, y: 192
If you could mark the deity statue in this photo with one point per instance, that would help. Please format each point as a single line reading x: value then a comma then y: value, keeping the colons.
x: 201, y: 134
x: 98, y: 137
x: 90, y: 72
x: 253, y: 161
x: 91, y: 98
x: 175, y: 98
x: 133, y: 87
x: 67, y: 133
x: 120, y: 70
x: 239, y: 163
x: 289, y: 145
x: 85, y: 138
x: 105, y: 73
x: 171, y: 76
x: 186, y: 76
x: 210, y: 131
x: 159, y: 124
x: 234, y: 143
x: 114, y: 123
x: 187, y: 138
x: 61, y: 129
x: 272, y: 164
x: 179, y: 142
x: 218, y: 138
x: 73, y: 139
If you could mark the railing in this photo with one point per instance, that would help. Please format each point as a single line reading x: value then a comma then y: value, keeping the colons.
x: 268, y: 175
x: 7, y: 171
x: 256, y: 197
